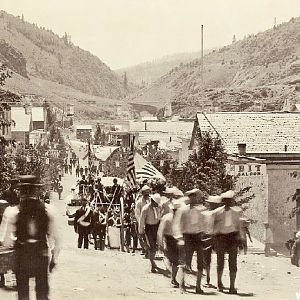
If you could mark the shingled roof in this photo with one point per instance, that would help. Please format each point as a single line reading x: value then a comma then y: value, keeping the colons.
x: 262, y: 132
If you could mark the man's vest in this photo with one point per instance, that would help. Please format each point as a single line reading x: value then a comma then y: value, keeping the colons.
x: 32, y: 222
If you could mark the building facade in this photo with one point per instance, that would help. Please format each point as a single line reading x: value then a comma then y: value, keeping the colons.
x: 264, y: 154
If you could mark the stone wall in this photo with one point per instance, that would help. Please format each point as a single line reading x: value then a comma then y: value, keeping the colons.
x: 257, y: 208
x: 282, y: 185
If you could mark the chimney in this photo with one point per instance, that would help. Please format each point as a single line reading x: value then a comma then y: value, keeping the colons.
x: 241, y: 149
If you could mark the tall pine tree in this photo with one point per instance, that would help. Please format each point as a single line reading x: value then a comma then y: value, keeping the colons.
x: 98, y: 135
x: 205, y: 168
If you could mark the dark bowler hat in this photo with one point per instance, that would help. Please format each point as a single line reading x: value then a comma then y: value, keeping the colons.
x: 29, y: 180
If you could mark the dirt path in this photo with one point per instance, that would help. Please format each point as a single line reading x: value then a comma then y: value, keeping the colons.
x: 110, y: 274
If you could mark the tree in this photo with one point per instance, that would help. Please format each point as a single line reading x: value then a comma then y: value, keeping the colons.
x: 4, y: 74
x: 98, y: 135
x: 125, y: 81
x: 233, y: 39
x: 205, y: 168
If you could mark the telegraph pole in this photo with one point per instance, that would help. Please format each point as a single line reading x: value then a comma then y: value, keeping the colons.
x: 202, y: 81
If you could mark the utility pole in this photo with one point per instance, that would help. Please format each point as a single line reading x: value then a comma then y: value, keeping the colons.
x: 202, y: 81
x: 62, y: 120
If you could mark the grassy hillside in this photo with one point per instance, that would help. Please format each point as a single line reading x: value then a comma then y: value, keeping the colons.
x: 258, y: 72
x: 56, y: 59
x: 145, y: 73
x: 87, y: 107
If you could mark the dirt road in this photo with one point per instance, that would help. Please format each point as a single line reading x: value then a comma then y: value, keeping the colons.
x: 110, y: 274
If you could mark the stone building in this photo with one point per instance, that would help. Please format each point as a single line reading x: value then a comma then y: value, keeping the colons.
x: 22, y: 125
x: 264, y: 153
x: 83, y: 132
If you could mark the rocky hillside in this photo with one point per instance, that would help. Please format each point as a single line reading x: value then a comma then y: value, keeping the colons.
x: 145, y: 73
x: 13, y: 59
x: 256, y: 73
x: 56, y: 59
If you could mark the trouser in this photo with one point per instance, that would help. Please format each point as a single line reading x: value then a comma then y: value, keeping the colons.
x: 32, y: 261
x: 83, y: 236
x: 193, y: 243
x: 133, y: 233
x: 99, y: 233
x: 127, y: 237
x: 172, y: 250
x: 227, y: 243
x: 207, y: 257
x: 140, y: 239
x: 130, y: 232
x: 151, y: 238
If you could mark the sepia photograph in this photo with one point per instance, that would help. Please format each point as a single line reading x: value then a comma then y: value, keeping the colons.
x: 149, y: 149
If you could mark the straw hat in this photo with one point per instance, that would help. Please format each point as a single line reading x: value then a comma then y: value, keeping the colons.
x: 193, y: 192
x: 173, y: 191
x: 228, y: 195
x: 145, y: 188
x: 214, y: 199
x: 156, y: 198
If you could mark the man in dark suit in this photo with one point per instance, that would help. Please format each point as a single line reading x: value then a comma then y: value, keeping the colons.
x: 116, y: 192
x: 82, y: 223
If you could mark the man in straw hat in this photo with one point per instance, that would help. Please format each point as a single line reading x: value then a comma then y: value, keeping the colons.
x: 140, y: 203
x: 35, y: 226
x: 170, y: 194
x: 295, y: 258
x: 212, y: 202
x: 227, y: 227
x: 165, y: 233
x: 268, y: 239
x: 148, y: 225
x: 189, y: 225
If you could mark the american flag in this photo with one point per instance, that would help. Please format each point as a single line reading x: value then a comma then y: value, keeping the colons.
x: 90, y: 158
x: 131, y: 176
x: 145, y: 169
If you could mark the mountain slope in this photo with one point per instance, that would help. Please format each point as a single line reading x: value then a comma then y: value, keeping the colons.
x: 145, y: 73
x: 260, y: 70
x: 56, y: 59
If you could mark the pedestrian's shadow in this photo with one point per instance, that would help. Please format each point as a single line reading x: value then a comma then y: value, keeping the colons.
x: 205, y: 293
x: 8, y: 288
x: 240, y: 294
x: 159, y: 271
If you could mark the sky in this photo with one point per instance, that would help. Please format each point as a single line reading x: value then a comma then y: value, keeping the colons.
x: 127, y: 32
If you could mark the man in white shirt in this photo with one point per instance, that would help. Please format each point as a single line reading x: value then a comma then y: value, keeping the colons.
x: 189, y: 226
x: 148, y: 225
x: 142, y: 200
x: 165, y: 234
x: 227, y: 226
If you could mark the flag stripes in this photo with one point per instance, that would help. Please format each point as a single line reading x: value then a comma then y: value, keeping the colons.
x: 90, y: 158
x: 147, y: 171
x: 131, y: 175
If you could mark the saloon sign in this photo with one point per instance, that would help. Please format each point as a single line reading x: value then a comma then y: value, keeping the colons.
x: 247, y: 169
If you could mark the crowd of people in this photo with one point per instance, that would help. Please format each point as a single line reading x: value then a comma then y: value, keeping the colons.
x: 177, y: 224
